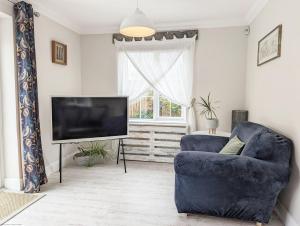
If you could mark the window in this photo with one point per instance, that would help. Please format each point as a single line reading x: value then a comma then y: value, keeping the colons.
x: 169, y: 109
x: 156, y: 76
x: 152, y: 106
x: 143, y: 107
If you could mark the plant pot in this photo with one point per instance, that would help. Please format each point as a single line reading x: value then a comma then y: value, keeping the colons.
x: 88, y: 161
x: 212, y: 125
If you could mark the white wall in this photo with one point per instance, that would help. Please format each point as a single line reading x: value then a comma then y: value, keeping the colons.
x: 6, y: 8
x: 273, y: 95
x: 10, y: 138
x: 55, y: 79
x: 219, y: 68
x: 99, y: 65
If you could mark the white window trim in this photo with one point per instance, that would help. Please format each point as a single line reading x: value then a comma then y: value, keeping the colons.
x: 159, y: 119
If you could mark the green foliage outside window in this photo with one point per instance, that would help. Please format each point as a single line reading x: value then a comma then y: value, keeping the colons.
x: 147, y: 108
x: 143, y: 108
x: 175, y: 110
x: 164, y: 107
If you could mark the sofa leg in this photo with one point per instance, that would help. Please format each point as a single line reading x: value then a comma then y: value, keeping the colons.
x: 259, y: 224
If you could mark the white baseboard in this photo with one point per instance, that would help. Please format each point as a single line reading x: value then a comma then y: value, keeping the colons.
x: 54, y: 166
x: 285, y: 216
x: 14, y: 184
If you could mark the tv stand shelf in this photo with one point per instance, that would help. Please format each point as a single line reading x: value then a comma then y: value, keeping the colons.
x: 120, y: 148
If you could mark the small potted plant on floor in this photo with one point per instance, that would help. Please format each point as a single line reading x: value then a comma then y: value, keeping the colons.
x: 91, y: 154
x: 208, y: 109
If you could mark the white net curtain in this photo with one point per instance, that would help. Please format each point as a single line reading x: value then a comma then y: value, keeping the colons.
x: 166, y: 66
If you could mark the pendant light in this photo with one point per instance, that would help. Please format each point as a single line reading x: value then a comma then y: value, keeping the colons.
x: 137, y: 25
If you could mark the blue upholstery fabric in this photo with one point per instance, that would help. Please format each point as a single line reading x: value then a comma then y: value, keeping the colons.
x: 33, y: 161
x: 245, y: 186
x: 207, y: 143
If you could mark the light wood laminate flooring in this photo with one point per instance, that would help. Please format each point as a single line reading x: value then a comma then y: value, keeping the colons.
x: 104, y: 195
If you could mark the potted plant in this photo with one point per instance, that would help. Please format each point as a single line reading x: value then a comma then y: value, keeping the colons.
x: 89, y: 155
x: 209, y: 111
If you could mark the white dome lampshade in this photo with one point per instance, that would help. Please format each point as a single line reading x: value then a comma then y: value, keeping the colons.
x: 137, y: 25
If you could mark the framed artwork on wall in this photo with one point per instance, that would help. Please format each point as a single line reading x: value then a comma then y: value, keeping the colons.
x: 59, y: 53
x: 269, y: 47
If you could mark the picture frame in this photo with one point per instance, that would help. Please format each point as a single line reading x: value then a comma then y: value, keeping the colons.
x: 269, y: 47
x: 59, y: 53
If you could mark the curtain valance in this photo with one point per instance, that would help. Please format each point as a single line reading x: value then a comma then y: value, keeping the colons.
x: 159, y: 36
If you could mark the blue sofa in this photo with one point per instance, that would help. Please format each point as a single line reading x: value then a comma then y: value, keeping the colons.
x: 244, y: 186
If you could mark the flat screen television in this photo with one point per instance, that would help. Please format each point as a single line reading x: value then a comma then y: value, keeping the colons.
x: 76, y: 119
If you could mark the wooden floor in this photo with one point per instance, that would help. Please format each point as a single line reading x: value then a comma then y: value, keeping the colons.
x: 104, y: 195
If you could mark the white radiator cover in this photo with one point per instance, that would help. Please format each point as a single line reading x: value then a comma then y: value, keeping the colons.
x: 154, y: 142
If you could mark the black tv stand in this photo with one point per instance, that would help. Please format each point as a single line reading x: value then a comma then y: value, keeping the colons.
x: 60, y: 163
x: 120, y: 146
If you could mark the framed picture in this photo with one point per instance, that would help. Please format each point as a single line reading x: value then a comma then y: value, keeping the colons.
x: 269, y: 47
x: 59, y: 53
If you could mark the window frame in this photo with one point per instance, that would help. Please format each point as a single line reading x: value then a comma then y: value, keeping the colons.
x: 156, y: 108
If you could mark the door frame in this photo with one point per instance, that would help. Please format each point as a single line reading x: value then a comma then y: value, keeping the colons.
x: 2, y: 167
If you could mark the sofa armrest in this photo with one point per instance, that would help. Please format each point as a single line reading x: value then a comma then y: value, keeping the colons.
x: 233, y: 167
x: 204, y: 143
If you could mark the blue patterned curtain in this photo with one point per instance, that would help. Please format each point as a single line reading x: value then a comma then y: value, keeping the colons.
x: 34, y: 169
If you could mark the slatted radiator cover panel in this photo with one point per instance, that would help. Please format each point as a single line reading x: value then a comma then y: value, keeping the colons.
x: 158, y: 143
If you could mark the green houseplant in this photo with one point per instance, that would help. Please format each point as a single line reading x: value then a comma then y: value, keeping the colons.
x: 208, y: 110
x: 90, y: 154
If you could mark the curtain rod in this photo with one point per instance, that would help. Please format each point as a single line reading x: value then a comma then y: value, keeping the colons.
x: 35, y: 13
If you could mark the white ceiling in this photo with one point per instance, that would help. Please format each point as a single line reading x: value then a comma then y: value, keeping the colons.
x: 104, y: 16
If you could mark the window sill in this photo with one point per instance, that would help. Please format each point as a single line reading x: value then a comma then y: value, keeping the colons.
x: 157, y: 123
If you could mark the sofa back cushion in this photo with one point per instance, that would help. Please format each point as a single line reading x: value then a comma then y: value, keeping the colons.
x: 246, y: 130
x: 263, y: 143
x: 259, y: 146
